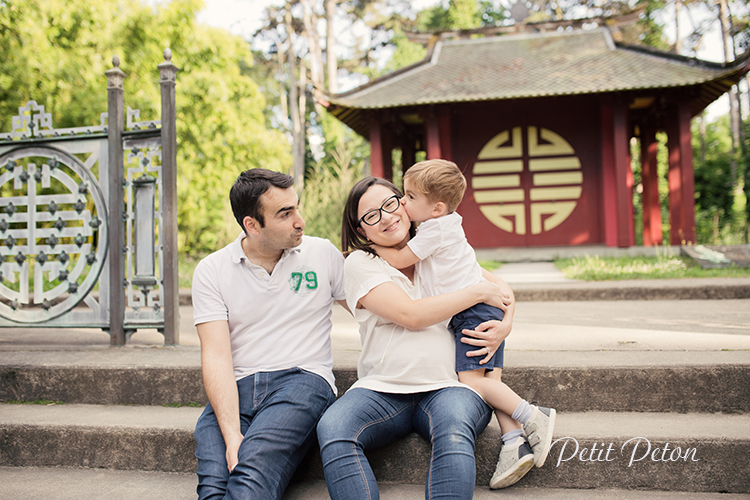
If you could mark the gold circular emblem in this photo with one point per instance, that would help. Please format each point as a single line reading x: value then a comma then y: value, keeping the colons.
x: 555, y: 173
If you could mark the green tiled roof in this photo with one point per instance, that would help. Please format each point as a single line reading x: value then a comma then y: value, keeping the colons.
x: 528, y: 66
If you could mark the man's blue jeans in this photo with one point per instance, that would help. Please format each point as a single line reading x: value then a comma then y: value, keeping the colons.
x: 278, y: 414
x: 362, y: 419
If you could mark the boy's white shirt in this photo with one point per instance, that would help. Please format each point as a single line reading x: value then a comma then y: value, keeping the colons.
x: 447, y: 261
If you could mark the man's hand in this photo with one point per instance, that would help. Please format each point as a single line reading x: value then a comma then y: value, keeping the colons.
x: 233, y: 449
x: 488, y: 335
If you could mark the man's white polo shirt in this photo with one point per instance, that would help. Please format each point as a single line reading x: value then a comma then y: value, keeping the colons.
x: 277, y: 321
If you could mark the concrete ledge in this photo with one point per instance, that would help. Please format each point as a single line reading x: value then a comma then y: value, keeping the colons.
x: 687, y: 289
x: 666, y: 289
x: 94, y: 484
x: 102, y: 385
x: 604, y: 388
x: 68, y: 436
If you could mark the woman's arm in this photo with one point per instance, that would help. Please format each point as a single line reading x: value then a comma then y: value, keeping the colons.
x: 392, y: 303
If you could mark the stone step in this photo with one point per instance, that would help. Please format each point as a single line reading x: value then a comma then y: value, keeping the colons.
x: 694, y: 452
x: 35, y: 483
x: 677, y: 388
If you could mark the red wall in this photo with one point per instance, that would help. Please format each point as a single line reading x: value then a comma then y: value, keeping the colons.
x: 577, y: 120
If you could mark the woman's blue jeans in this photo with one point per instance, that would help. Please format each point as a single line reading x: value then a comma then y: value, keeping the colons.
x: 450, y: 418
x: 278, y: 414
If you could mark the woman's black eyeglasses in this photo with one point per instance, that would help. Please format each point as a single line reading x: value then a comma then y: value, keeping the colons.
x: 389, y: 206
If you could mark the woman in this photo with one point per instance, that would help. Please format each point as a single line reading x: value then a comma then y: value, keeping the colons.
x: 406, y: 376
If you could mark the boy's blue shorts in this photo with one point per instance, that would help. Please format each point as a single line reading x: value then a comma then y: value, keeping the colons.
x: 469, y: 319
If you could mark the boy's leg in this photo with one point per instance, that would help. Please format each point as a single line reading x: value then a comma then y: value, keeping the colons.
x: 494, y: 391
x: 507, y: 424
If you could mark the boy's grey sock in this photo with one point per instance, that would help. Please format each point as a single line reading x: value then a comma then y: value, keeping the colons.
x: 511, y: 436
x: 522, y: 413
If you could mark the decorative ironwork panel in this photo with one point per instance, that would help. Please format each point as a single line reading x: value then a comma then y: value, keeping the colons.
x: 60, y: 236
x: 143, y: 220
x: 132, y: 124
x: 53, y: 231
x: 32, y: 122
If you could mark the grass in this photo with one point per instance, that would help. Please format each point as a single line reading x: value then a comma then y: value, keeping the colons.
x: 490, y: 265
x: 660, y: 267
x: 663, y: 266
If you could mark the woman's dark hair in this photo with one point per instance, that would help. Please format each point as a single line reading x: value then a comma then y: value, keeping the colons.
x: 351, y: 238
x: 249, y: 187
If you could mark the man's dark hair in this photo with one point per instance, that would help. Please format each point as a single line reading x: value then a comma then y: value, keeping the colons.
x: 249, y: 187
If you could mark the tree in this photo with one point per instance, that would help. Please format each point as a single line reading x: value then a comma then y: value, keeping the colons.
x: 57, y: 52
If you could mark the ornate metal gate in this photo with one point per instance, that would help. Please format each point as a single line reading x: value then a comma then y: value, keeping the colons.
x: 91, y: 205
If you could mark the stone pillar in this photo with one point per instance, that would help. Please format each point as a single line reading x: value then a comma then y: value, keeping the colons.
x: 115, y: 126
x: 168, y: 231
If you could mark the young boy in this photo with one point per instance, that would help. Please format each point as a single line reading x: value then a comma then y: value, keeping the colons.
x: 432, y: 191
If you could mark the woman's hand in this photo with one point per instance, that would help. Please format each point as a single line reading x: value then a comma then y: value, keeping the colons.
x: 488, y: 335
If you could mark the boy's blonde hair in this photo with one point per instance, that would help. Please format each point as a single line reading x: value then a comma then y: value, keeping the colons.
x: 439, y: 180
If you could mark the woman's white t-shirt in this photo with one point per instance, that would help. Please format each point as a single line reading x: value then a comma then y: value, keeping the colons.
x: 395, y: 359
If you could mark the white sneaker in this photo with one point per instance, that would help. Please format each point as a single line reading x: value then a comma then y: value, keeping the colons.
x: 514, y: 462
x: 538, y: 431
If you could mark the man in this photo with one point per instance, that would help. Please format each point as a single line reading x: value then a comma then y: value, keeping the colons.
x: 262, y: 308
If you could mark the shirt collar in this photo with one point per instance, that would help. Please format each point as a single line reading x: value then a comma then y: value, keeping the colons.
x: 238, y: 254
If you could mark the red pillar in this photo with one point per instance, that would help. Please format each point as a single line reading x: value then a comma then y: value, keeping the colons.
x: 381, y: 163
x: 408, y: 153
x: 376, y: 149
x: 680, y: 177
x: 609, y: 204
x: 617, y: 197
x: 652, y: 234
x: 688, y: 174
x: 445, y: 136
x: 432, y: 134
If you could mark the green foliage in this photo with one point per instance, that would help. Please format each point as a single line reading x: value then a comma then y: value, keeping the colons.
x: 325, y: 192
x: 56, y: 52
x: 648, y: 30
x: 458, y: 15
x: 405, y: 53
x: 713, y: 176
x: 721, y: 208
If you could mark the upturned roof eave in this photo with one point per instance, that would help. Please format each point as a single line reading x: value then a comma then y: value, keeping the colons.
x: 457, y: 99
x: 349, y: 98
